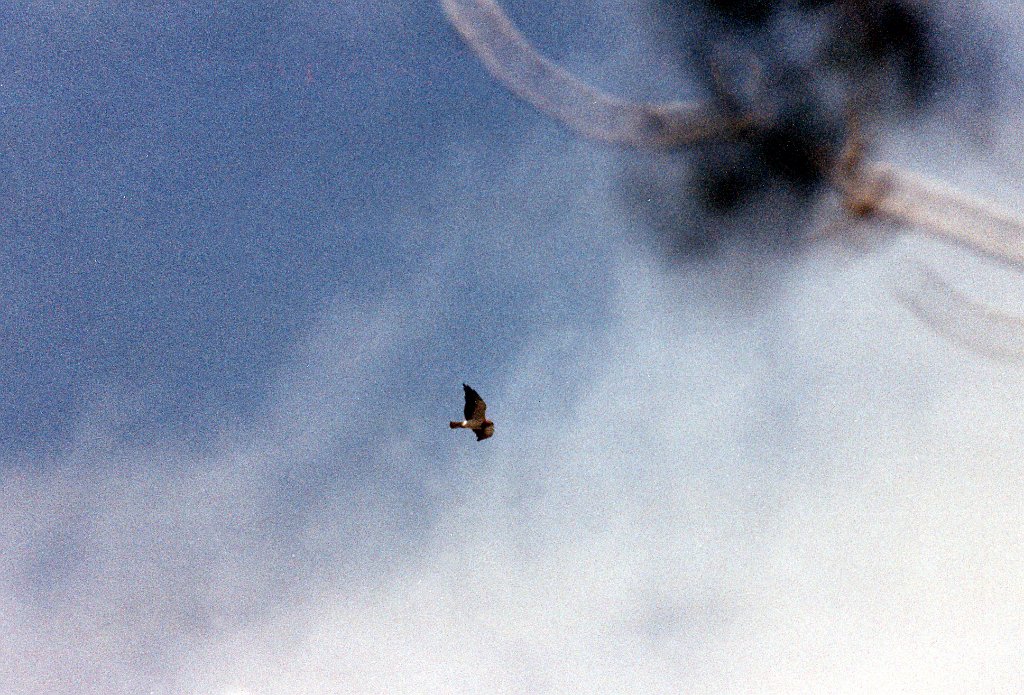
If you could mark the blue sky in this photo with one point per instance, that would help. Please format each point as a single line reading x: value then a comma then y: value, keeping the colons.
x: 190, y: 187
x: 251, y: 251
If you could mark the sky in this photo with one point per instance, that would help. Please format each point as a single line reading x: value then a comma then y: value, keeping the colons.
x: 250, y: 253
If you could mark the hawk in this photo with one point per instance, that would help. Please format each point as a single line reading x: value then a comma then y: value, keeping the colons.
x: 474, y: 414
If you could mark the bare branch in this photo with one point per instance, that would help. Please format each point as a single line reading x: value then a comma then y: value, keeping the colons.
x: 867, y: 189
x: 593, y: 113
x: 956, y: 317
x: 941, y: 212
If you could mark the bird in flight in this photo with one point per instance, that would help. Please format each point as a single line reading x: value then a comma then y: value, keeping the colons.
x: 474, y: 414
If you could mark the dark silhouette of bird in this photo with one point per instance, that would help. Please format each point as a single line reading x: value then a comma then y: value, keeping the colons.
x: 474, y: 414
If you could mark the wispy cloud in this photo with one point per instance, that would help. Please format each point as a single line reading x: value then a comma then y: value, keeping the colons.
x: 710, y: 515
x: 817, y: 497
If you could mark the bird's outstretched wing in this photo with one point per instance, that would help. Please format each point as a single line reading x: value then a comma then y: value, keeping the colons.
x: 475, y: 406
x: 484, y: 432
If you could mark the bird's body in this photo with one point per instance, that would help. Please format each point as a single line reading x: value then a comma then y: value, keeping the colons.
x: 474, y: 413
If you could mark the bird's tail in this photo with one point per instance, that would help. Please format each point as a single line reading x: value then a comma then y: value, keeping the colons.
x: 454, y: 425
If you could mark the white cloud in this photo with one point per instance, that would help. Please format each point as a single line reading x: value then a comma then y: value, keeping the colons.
x: 814, y: 495
x: 837, y: 512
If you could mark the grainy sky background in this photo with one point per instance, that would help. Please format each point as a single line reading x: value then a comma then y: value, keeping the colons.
x: 250, y: 251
